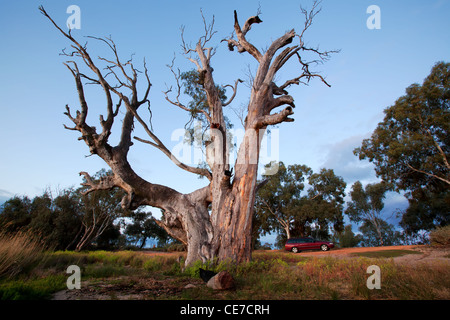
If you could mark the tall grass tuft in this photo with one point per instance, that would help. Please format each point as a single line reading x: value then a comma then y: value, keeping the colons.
x: 19, y: 252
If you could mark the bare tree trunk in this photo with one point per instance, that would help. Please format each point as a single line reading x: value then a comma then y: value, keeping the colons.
x: 374, y: 220
x: 288, y: 232
x: 75, y: 238
x: 143, y: 241
x: 284, y: 223
x: 233, y: 221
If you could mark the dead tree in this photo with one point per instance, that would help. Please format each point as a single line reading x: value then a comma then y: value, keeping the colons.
x: 214, y: 221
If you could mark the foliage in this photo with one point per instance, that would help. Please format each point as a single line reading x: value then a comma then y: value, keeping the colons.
x: 43, y: 216
x: 198, y: 125
x: 366, y: 205
x: 440, y: 236
x: 193, y: 87
x: 175, y: 246
x: 74, y: 220
x: 15, y: 214
x: 410, y: 149
x: 284, y: 203
x: 68, y: 221
x: 347, y: 238
x: 426, y: 210
x: 100, y: 209
x: 262, y: 246
x: 143, y: 227
x: 371, y: 234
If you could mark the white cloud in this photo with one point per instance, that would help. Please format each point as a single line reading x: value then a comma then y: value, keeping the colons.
x: 341, y: 159
x: 5, y: 195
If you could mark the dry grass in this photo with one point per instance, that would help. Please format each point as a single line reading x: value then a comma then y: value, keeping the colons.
x: 271, y: 275
x: 18, y: 253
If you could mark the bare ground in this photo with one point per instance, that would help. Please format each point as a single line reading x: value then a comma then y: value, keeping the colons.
x: 126, y: 288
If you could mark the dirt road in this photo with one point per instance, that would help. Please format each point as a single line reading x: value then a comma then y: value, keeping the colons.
x: 427, y: 254
x: 350, y: 251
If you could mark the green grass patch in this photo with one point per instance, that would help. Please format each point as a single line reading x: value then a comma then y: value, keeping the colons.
x: 103, y: 271
x: 385, y: 253
x: 32, y: 289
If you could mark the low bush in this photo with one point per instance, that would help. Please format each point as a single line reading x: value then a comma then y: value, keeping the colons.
x: 103, y: 271
x: 152, y: 265
x: 440, y: 236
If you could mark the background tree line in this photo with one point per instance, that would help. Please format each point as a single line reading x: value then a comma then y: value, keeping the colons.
x: 410, y: 151
x: 296, y: 202
x: 73, y: 220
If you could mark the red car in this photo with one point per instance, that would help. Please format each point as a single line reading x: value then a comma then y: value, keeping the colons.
x: 298, y: 244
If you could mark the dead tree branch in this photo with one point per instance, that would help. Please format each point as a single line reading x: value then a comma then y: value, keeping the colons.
x: 234, y: 92
x: 274, y: 58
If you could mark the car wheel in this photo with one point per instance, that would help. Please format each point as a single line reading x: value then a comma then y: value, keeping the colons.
x: 324, y: 247
x: 294, y: 250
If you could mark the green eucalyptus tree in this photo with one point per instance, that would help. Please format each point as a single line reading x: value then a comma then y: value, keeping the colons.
x: 366, y: 205
x: 295, y: 198
x: 411, y: 147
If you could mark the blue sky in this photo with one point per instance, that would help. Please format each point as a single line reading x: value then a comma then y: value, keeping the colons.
x: 371, y: 71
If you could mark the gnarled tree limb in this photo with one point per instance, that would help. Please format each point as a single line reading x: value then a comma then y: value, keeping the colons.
x: 234, y: 92
x: 273, y: 119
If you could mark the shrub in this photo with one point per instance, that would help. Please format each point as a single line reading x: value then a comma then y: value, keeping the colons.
x: 103, y: 271
x: 103, y: 256
x: 440, y: 236
x: 152, y: 265
x: 60, y: 260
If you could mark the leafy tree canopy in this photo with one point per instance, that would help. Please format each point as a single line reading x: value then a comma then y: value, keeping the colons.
x: 370, y: 235
x: 295, y: 198
x: 410, y: 149
x: 366, y: 205
x: 75, y: 220
x: 347, y: 238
